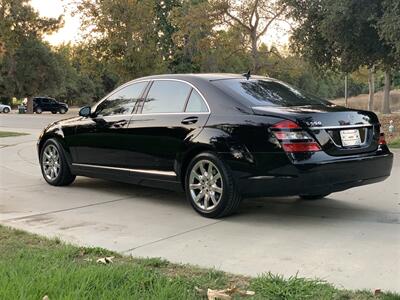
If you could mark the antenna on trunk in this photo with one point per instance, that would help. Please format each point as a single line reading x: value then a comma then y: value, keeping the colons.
x: 247, y: 75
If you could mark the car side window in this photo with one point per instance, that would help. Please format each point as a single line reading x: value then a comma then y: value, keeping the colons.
x: 123, y: 101
x: 196, y: 103
x: 166, y: 96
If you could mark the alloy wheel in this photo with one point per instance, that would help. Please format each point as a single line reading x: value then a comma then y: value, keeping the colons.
x: 206, y: 185
x: 51, y: 162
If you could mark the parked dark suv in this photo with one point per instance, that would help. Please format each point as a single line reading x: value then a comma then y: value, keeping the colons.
x: 41, y: 104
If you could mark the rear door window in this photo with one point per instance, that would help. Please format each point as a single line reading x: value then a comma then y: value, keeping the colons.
x: 166, y: 96
x: 260, y: 92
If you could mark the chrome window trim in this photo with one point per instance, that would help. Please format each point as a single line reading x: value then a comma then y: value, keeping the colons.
x: 183, y: 112
x: 155, y: 172
x: 173, y: 113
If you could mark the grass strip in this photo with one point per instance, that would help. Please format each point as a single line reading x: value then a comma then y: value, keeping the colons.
x: 32, y: 267
x: 10, y: 134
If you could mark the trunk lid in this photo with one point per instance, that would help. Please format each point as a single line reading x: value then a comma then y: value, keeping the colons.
x: 339, y: 131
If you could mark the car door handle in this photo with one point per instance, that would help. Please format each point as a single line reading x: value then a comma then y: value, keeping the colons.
x: 190, y: 120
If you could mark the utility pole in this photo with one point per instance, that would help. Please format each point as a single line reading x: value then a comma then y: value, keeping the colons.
x: 346, y: 90
x: 371, y: 85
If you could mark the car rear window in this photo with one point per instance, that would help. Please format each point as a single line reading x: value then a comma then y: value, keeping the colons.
x: 261, y: 92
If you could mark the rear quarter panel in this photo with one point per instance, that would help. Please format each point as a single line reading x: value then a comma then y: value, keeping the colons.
x: 244, y: 142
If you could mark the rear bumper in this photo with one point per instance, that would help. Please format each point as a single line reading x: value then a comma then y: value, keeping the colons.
x: 319, y: 178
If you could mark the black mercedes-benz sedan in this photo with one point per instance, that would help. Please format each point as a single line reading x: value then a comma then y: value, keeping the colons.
x: 218, y: 137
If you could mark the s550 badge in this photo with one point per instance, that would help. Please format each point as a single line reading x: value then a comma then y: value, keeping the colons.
x: 314, y: 123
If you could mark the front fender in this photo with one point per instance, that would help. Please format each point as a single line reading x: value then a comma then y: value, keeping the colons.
x: 54, y: 131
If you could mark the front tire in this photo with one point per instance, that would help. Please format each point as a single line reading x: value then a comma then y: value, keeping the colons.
x: 313, y: 197
x: 55, y: 168
x: 6, y: 110
x: 62, y: 110
x: 210, y: 187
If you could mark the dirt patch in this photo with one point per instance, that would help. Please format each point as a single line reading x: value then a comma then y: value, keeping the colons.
x: 385, y: 121
x: 361, y: 101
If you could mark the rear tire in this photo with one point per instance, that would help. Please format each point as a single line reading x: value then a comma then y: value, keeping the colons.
x: 55, y: 168
x: 54, y: 112
x: 6, y: 110
x: 313, y: 197
x: 210, y: 187
x: 38, y: 110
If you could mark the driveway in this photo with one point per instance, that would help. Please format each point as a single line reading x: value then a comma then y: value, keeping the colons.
x: 351, y: 239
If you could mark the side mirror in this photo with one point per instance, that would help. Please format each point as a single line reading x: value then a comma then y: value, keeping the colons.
x: 85, y: 111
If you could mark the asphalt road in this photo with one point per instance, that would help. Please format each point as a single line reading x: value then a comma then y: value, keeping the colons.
x: 351, y: 239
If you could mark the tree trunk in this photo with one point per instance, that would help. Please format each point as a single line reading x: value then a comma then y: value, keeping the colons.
x: 254, y: 52
x: 386, y: 95
x: 29, y: 106
x: 371, y: 85
x: 346, y: 93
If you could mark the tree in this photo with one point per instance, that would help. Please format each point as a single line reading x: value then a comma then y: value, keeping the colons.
x: 194, y: 38
x: 389, y: 24
x: 122, y: 35
x: 389, y: 27
x: 341, y: 34
x: 253, y: 17
x: 20, y: 21
x: 164, y: 27
x: 22, y: 48
x: 37, y: 70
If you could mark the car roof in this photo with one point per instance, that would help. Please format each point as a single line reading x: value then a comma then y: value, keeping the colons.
x: 217, y: 99
x: 204, y: 76
x: 43, y: 97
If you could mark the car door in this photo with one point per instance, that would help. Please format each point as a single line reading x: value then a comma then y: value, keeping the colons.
x: 44, y: 104
x: 172, y: 111
x: 102, y: 139
x: 53, y: 105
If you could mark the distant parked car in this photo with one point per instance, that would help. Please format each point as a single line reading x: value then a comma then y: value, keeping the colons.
x: 41, y: 104
x: 5, y: 108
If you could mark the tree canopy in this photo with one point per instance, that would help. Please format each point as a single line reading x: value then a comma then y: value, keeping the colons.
x: 123, y: 40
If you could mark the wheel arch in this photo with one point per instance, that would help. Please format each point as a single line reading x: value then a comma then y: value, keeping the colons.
x: 59, y: 137
x: 209, y: 140
x: 187, y: 158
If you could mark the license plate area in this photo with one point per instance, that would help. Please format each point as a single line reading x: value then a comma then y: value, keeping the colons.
x: 350, y: 137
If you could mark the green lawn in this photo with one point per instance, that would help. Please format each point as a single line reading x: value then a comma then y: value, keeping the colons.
x: 10, y: 133
x: 395, y: 143
x: 32, y: 267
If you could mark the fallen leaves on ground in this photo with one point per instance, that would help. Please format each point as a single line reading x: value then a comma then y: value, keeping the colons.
x: 225, y: 294
x: 105, y: 260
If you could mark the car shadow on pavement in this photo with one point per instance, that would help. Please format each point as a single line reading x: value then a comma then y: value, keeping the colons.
x: 252, y: 210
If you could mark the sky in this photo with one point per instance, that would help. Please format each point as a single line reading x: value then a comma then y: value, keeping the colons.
x: 53, y: 9
x: 70, y: 31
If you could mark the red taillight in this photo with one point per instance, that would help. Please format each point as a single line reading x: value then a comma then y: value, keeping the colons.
x: 292, y: 138
x: 301, y: 147
x: 382, y: 140
x: 286, y: 124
